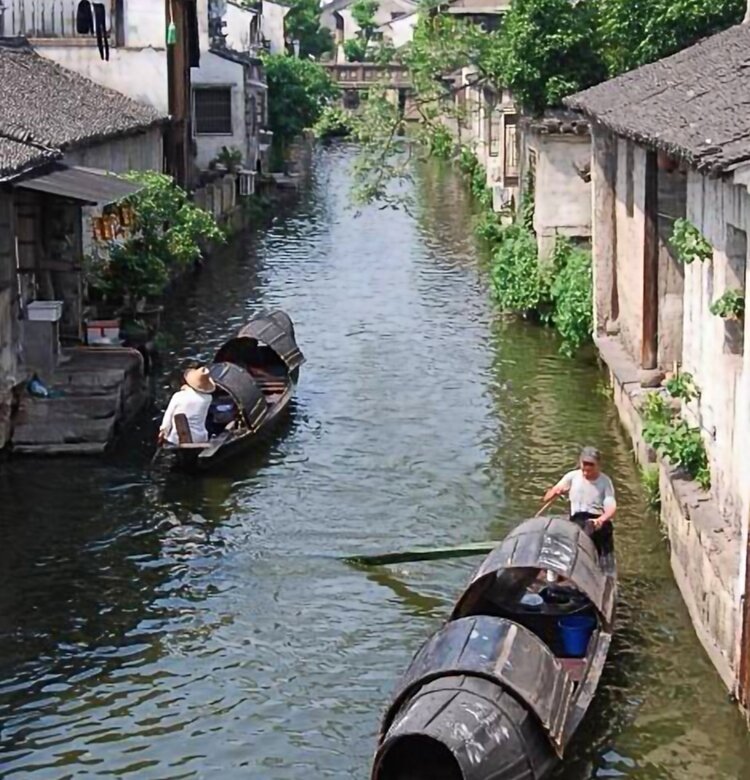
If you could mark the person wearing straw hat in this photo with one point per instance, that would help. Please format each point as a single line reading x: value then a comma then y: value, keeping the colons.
x: 193, y: 400
x: 592, y: 499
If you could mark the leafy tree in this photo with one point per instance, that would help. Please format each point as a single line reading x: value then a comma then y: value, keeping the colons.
x: 634, y: 32
x: 355, y: 50
x: 302, y: 23
x: 298, y: 91
x: 363, y: 12
x: 548, y: 50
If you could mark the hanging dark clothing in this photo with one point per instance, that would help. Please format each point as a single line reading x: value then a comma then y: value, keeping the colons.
x: 85, y: 18
x: 102, y: 37
x: 193, y: 41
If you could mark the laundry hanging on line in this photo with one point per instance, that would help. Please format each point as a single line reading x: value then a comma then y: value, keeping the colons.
x: 91, y: 18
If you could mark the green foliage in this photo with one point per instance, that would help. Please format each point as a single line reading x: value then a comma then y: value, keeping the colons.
x: 675, y: 440
x: 355, y: 50
x: 634, y: 33
x: 302, y: 23
x: 298, y: 92
x: 334, y: 122
x: 385, y: 54
x: 650, y: 483
x: 528, y: 205
x: 384, y: 161
x: 548, y: 51
x: 230, y: 158
x: 167, y: 232
x: 683, y: 386
x: 730, y: 305
x: 689, y: 243
x: 440, y: 142
x: 363, y: 13
x: 517, y: 279
x: 572, y: 295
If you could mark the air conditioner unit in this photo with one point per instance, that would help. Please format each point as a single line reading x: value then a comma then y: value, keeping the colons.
x: 247, y: 182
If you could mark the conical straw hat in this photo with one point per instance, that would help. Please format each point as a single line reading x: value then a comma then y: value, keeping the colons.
x: 200, y: 380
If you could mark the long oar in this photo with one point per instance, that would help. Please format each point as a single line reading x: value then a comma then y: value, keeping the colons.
x: 433, y: 553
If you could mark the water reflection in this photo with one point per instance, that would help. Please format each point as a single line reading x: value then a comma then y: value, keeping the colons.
x: 160, y: 626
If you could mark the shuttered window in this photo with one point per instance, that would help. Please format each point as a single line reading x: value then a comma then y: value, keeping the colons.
x: 213, y: 110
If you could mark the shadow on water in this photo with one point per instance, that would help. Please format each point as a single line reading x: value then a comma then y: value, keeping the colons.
x: 160, y: 625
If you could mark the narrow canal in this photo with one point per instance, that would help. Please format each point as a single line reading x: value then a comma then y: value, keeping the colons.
x: 167, y: 627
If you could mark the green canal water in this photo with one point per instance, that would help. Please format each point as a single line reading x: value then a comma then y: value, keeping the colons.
x: 157, y: 626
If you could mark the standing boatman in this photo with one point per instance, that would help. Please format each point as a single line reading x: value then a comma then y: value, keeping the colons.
x: 592, y: 499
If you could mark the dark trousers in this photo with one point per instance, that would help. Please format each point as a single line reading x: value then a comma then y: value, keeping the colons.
x: 603, y: 538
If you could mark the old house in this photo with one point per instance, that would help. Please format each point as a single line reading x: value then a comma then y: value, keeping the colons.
x: 61, y: 135
x: 336, y: 16
x: 671, y: 140
x: 208, y: 77
x: 555, y: 171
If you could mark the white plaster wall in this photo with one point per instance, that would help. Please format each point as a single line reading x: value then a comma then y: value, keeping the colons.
x: 722, y: 409
x: 217, y: 71
x: 401, y: 31
x: 142, y: 152
x: 630, y: 238
x: 382, y: 16
x: 562, y: 204
x: 237, y: 27
x: 138, y: 73
x: 272, y: 25
x: 145, y: 24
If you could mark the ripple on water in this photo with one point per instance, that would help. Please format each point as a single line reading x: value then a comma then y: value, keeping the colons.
x: 159, y: 627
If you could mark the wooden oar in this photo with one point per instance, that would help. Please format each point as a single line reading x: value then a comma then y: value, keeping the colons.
x: 434, y: 553
x: 424, y: 554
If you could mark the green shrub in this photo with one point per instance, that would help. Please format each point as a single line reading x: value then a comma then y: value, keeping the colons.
x: 333, y: 122
x: 683, y: 387
x: 440, y: 142
x: 650, y: 483
x: 517, y: 279
x: 572, y: 294
x: 681, y: 444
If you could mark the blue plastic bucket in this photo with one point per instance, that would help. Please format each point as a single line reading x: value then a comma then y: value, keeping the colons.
x: 575, y: 632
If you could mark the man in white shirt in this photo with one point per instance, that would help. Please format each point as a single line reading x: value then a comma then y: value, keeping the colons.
x: 592, y: 498
x: 193, y: 400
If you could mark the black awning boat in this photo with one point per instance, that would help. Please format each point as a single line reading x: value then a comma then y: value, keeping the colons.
x: 498, y: 692
x: 255, y: 373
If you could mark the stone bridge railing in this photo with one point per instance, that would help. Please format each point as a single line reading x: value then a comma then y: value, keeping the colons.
x: 363, y: 75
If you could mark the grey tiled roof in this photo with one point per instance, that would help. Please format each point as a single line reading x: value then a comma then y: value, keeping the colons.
x: 43, y: 105
x: 17, y: 157
x: 694, y: 105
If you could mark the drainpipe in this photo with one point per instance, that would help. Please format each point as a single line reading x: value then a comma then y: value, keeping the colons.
x: 747, y: 14
x: 2, y: 19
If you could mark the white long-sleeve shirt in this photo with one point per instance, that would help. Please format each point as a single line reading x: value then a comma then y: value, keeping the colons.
x: 194, y: 406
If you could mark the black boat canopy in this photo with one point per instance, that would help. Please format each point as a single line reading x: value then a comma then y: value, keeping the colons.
x: 275, y: 330
x: 245, y: 393
x: 499, y: 650
x: 552, y: 543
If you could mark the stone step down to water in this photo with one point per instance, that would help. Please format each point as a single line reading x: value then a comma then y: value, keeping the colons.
x: 100, y: 388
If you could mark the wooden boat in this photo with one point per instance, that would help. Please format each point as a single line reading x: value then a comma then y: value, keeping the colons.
x: 495, y: 694
x: 255, y: 373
